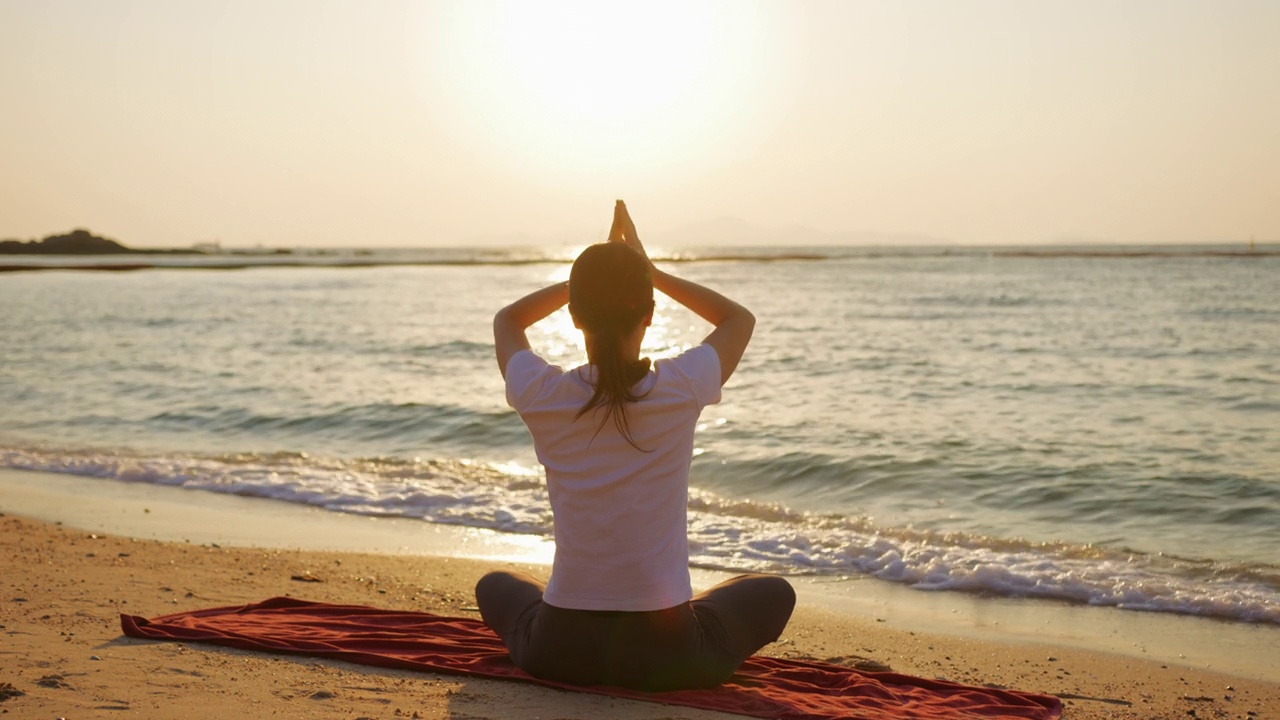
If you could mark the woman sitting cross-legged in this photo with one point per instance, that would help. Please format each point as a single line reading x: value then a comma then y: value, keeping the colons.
x: 615, y: 437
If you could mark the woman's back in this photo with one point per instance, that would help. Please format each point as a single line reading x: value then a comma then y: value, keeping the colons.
x: 620, y: 509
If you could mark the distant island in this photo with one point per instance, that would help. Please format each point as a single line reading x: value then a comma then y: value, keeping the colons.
x: 77, y: 242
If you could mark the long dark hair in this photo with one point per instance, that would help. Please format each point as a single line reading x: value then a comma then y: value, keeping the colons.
x: 610, y: 294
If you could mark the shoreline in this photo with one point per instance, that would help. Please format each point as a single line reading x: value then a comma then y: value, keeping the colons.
x: 79, y: 551
x: 143, y: 259
x: 167, y: 514
x: 64, y: 651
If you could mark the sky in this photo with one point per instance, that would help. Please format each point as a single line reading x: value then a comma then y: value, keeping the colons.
x: 395, y: 123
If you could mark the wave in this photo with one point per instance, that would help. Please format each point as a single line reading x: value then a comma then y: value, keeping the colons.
x: 239, y: 419
x: 724, y: 533
x: 456, y: 492
x: 935, y: 561
x: 377, y: 421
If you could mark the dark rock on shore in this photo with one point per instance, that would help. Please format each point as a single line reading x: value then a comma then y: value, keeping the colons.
x: 83, y: 242
x: 77, y: 242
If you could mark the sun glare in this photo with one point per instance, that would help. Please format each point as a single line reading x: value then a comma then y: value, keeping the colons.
x: 603, y: 87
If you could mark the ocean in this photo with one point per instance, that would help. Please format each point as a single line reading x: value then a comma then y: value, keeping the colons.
x: 1097, y: 425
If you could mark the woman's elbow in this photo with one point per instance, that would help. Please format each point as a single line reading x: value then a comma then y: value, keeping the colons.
x: 501, y: 319
x: 746, y: 319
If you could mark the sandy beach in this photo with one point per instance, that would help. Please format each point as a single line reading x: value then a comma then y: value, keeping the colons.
x: 73, y: 561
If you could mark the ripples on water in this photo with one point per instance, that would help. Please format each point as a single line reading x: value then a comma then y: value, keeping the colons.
x: 1093, y: 429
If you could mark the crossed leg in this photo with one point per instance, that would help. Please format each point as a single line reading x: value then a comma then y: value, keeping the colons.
x: 504, y: 598
x: 744, y: 613
x: 725, y: 624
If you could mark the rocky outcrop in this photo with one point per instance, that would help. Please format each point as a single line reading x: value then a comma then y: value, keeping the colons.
x: 77, y: 242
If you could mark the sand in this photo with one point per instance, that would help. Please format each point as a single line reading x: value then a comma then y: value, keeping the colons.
x: 64, y: 583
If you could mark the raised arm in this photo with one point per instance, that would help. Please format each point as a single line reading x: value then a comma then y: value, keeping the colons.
x: 733, y: 322
x: 510, y: 323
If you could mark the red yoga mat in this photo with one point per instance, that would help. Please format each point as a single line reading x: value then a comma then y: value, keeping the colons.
x: 762, y: 687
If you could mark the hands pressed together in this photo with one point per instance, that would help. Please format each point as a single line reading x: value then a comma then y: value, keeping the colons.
x: 624, y: 230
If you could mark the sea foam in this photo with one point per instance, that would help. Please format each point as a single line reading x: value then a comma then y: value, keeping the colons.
x: 726, y: 534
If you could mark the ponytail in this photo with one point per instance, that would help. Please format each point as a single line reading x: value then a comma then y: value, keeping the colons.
x: 615, y: 378
x: 610, y: 294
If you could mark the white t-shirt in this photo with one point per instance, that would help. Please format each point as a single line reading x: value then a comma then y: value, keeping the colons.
x: 620, y: 513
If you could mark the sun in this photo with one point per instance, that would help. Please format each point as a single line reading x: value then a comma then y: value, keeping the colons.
x: 592, y: 88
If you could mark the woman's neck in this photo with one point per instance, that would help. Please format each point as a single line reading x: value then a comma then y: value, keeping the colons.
x: 630, y: 349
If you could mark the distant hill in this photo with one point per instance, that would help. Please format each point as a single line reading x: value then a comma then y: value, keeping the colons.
x: 83, y: 242
x: 77, y: 242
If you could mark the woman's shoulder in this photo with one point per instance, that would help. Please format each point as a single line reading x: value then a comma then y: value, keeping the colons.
x: 701, y: 354
x: 697, y: 368
x: 529, y: 376
x: 523, y: 362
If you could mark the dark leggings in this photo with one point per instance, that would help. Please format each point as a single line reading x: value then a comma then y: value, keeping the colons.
x: 694, y: 645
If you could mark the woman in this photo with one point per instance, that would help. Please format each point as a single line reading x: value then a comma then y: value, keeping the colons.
x: 616, y: 438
